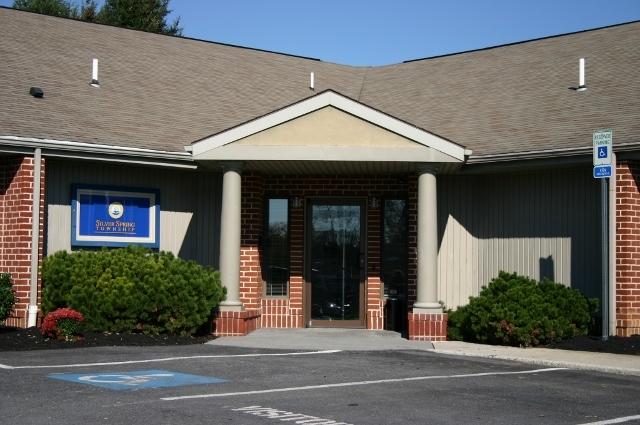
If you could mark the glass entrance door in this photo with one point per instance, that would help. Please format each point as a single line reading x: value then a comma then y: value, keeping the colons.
x: 336, y: 264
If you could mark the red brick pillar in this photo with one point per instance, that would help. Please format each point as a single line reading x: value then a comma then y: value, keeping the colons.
x: 628, y: 248
x: 16, y: 201
x: 375, y: 307
x: 296, y: 261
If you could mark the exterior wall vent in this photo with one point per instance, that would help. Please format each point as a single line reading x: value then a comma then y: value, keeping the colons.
x: 581, y: 81
x: 94, y: 74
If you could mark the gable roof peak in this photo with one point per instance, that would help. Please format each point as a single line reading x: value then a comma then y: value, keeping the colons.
x: 337, y: 100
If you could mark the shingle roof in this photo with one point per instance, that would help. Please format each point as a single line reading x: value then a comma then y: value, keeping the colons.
x: 162, y: 92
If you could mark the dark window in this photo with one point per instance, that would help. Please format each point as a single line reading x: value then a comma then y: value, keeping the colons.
x: 394, y: 247
x: 276, y: 248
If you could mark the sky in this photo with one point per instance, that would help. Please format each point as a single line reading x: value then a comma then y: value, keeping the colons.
x: 377, y: 32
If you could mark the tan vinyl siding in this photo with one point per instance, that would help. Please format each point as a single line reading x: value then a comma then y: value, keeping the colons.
x: 189, y: 204
x: 537, y: 224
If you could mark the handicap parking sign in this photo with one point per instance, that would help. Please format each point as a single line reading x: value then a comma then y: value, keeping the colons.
x: 602, y: 152
x: 602, y: 147
x: 134, y: 380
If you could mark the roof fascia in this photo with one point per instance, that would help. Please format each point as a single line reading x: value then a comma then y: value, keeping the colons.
x: 324, y: 99
x: 101, y: 152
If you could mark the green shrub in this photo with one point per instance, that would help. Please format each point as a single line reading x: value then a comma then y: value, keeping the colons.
x: 516, y: 310
x: 131, y: 289
x: 7, y: 296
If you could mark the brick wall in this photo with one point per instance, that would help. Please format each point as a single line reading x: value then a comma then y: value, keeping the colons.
x: 412, y: 240
x: 375, y: 300
x: 628, y: 248
x: 288, y: 312
x: 16, y: 197
x: 250, y: 233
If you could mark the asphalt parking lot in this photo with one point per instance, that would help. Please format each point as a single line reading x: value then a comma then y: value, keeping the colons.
x: 125, y: 385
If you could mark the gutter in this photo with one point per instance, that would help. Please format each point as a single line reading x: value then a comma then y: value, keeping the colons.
x: 35, y: 239
x: 546, y: 153
x: 100, y: 152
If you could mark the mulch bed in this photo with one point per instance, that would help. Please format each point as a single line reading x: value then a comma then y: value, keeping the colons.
x: 15, y: 339
x: 615, y: 344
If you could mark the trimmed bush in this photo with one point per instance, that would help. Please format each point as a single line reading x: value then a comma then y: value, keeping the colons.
x: 516, y: 310
x: 7, y: 296
x: 132, y: 290
x: 63, y: 323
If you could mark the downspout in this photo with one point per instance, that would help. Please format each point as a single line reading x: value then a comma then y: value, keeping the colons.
x: 35, y: 239
x: 612, y: 246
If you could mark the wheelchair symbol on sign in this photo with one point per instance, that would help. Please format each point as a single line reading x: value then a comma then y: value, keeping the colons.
x: 123, y: 379
x: 602, y: 152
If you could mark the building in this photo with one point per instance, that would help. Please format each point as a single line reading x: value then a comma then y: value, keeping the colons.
x: 327, y: 195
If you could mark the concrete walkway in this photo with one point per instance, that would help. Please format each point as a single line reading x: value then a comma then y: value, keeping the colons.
x: 364, y: 340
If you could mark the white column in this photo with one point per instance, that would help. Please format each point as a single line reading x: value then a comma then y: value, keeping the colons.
x: 230, y: 237
x: 427, y: 244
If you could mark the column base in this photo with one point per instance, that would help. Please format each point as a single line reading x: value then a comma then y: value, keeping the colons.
x: 235, y: 323
x: 427, y: 327
x: 231, y: 306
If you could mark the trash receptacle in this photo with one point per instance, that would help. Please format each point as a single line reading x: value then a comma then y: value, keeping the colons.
x: 391, y: 313
x: 395, y: 313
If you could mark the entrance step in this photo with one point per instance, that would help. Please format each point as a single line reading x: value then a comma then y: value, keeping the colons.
x: 324, y: 339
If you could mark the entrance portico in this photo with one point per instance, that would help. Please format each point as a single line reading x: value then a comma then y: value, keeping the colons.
x: 320, y: 171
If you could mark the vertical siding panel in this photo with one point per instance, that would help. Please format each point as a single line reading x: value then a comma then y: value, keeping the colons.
x: 484, y: 232
x: 454, y: 257
x: 443, y: 211
x: 566, y: 224
x: 513, y: 221
x: 458, y: 244
x: 470, y: 240
x: 446, y: 266
x: 188, y: 217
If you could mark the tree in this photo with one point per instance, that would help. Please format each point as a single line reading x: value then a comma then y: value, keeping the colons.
x: 145, y: 15
x: 46, y: 7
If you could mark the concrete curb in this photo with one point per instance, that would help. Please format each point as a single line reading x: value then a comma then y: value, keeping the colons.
x: 597, y: 362
x: 359, y: 340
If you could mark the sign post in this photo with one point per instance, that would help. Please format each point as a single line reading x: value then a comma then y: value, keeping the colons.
x: 602, y: 153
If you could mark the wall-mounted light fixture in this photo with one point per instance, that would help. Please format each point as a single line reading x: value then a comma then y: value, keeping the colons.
x: 297, y: 202
x: 374, y: 202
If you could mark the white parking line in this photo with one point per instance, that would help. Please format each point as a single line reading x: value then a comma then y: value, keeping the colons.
x: 357, y: 383
x: 169, y: 359
x: 616, y: 420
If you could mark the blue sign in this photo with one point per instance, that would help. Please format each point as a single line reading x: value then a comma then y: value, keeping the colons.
x: 602, y: 171
x: 136, y: 380
x: 115, y: 217
x: 602, y: 152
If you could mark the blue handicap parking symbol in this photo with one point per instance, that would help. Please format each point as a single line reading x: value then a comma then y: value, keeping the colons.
x: 136, y: 380
x: 602, y: 152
